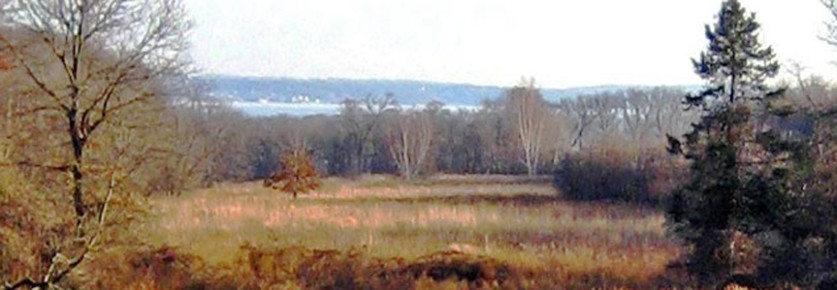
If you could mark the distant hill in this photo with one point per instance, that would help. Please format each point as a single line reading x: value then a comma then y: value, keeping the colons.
x: 333, y: 91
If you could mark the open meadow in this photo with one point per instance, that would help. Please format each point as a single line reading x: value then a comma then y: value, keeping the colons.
x: 519, y: 222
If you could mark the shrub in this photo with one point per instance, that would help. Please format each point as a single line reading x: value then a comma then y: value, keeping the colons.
x: 329, y: 269
x: 26, y: 216
x: 610, y: 174
x: 152, y: 268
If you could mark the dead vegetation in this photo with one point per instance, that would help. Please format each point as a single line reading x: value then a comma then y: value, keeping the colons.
x: 423, y: 237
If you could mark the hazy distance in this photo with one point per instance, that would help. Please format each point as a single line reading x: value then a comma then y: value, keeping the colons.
x: 560, y: 43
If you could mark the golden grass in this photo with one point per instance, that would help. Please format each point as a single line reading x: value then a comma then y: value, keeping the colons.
x: 524, y: 224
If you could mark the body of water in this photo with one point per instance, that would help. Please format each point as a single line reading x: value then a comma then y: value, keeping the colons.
x: 266, y: 109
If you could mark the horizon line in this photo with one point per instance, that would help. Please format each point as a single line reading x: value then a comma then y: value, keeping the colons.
x: 262, y: 77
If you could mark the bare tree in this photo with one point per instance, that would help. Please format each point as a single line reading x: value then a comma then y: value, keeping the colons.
x: 103, y: 57
x: 409, y: 138
x: 360, y: 120
x: 606, y: 107
x: 529, y: 113
x: 193, y: 125
x: 667, y: 114
x: 580, y: 113
x: 635, y: 115
x: 560, y: 132
x: 811, y: 92
x: 830, y: 36
x: 493, y: 132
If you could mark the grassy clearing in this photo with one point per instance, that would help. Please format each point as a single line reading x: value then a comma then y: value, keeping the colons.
x: 524, y: 224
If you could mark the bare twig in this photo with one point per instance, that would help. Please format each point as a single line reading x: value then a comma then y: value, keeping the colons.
x: 29, y: 164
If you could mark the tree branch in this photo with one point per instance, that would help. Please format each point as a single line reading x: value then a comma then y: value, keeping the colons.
x: 32, y: 75
x: 61, y: 168
x: 25, y: 282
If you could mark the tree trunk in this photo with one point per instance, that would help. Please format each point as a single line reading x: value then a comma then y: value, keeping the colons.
x: 77, y: 143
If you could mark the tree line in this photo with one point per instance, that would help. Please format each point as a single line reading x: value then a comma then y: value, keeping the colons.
x: 516, y: 133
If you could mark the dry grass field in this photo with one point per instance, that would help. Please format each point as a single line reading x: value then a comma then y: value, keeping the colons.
x: 517, y: 221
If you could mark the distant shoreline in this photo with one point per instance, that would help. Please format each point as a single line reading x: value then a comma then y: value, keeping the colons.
x: 269, y: 109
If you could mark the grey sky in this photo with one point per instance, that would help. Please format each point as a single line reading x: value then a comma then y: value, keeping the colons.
x: 562, y: 43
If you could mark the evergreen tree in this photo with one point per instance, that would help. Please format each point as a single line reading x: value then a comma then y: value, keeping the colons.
x: 734, y: 65
x: 728, y: 202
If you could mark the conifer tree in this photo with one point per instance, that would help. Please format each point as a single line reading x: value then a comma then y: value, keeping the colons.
x: 721, y: 209
x: 734, y: 64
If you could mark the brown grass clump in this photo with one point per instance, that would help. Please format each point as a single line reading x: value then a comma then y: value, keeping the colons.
x: 150, y: 268
x: 27, y: 217
x: 329, y: 269
x: 294, y: 268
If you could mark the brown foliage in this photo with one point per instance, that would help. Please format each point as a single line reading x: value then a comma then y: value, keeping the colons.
x: 292, y: 268
x: 615, y: 174
x: 5, y: 64
x: 298, y: 175
x: 329, y: 269
x: 23, y: 218
x: 151, y: 268
x: 825, y: 151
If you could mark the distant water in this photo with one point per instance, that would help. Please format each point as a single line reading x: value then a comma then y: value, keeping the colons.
x: 266, y: 109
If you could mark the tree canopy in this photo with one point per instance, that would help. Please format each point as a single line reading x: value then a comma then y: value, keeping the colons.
x: 298, y: 174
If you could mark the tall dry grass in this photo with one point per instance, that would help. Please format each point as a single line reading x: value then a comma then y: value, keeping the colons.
x: 523, y: 224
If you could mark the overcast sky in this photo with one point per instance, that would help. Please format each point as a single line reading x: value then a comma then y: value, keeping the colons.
x: 562, y: 43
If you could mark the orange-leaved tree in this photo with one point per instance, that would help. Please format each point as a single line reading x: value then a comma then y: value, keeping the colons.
x: 297, y: 175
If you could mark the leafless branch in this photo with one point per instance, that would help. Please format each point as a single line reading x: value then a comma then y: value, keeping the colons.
x: 30, y: 164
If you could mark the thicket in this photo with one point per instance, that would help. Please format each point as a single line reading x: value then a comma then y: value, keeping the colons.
x: 612, y: 174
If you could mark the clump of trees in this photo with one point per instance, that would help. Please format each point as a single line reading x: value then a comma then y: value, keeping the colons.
x: 751, y: 212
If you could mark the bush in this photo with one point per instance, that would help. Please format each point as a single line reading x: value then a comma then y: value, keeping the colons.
x: 291, y: 268
x: 329, y: 269
x: 151, y: 268
x: 26, y: 218
x: 610, y: 174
